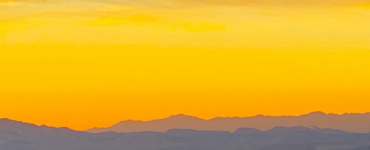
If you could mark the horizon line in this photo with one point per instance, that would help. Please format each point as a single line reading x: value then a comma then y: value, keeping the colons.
x: 181, y: 114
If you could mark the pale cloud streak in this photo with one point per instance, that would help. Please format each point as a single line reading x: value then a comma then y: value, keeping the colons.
x: 19, y: 2
x: 235, y: 3
x: 9, y: 4
x: 187, y: 3
x: 275, y: 2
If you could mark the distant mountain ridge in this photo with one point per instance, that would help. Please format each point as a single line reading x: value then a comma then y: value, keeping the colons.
x: 358, y: 123
x: 23, y: 136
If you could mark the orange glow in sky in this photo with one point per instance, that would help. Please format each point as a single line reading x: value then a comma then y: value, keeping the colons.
x: 93, y: 63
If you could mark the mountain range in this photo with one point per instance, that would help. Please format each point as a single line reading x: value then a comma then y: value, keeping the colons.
x: 23, y: 136
x: 358, y: 123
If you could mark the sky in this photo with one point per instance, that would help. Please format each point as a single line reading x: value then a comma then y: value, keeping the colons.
x: 92, y: 63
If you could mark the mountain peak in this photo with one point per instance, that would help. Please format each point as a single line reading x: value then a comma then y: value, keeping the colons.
x: 317, y: 113
x: 9, y: 121
x: 5, y: 119
x: 182, y: 117
x: 243, y: 131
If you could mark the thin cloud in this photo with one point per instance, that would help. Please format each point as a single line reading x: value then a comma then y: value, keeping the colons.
x: 275, y: 2
x: 235, y: 2
x: 24, y: 1
x: 13, y: 3
x: 9, y: 3
x: 186, y: 3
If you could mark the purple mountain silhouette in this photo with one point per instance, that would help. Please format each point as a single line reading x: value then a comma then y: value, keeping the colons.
x: 23, y: 136
x: 358, y: 123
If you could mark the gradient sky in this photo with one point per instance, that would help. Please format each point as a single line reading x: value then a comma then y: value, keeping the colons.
x: 93, y: 63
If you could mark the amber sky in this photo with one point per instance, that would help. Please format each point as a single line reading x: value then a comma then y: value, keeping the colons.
x: 93, y: 63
